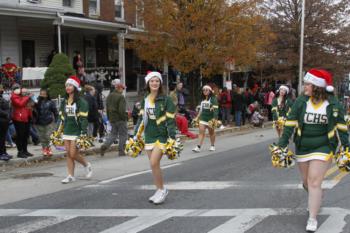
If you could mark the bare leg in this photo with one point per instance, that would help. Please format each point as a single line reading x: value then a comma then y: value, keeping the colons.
x: 212, y: 135
x: 154, y: 157
x: 76, y: 155
x: 69, y: 159
x: 304, y: 168
x: 201, y: 134
x: 317, y: 171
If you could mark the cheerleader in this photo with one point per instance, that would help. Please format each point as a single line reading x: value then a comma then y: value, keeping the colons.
x: 280, y: 107
x: 318, y: 121
x: 157, y: 120
x: 208, y: 113
x: 73, y: 115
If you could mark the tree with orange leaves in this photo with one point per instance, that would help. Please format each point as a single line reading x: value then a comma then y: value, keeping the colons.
x: 198, y: 36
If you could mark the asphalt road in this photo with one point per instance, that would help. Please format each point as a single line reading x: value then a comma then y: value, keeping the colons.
x: 232, y: 190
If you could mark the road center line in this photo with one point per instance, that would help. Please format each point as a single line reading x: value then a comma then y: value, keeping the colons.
x: 135, y: 174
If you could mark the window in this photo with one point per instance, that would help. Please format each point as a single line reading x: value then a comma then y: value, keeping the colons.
x: 94, y: 7
x: 119, y: 9
x: 67, y: 3
x: 139, y: 14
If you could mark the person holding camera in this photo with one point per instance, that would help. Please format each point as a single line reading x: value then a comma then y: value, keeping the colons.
x: 21, y: 116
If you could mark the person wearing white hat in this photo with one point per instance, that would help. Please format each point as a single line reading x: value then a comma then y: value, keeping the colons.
x: 73, y: 116
x: 209, y: 111
x: 317, y: 121
x: 281, y: 105
x: 157, y: 123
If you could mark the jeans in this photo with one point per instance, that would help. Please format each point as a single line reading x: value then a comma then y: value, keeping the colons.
x: 3, y: 132
x: 120, y: 129
x: 10, y: 132
x: 225, y: 115
x: 34, y: 134
x: 238, y: 115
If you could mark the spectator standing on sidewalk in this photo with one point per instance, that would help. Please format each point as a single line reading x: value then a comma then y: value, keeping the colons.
x: 238, y: 106
x: 21, y: 116
x: 73, y: 116
x: 93, y: 110
x: 4, y: 124
x: 225, y: 102
x: 47, y: 116
x: 117, y: 116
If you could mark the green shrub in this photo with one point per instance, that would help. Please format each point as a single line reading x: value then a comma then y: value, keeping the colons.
x: 56, y: 75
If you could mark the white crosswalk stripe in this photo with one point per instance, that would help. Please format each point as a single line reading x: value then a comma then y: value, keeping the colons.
x: 241, y: 221
x: 35, y: 225
x: 220, y: 185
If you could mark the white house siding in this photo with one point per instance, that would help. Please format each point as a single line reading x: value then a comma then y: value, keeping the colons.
x: 56, y: 4
x: 9, y: 41
x: 42, y: 33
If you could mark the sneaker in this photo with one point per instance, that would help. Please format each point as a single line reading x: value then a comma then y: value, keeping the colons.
x: 121, y: 153
x: 160, y: 196
x: 68, y: 179
x: 49, y: 152
x: 10, y: 156
x: 151, y: 199
x: 103, y: 149
x: 88, y: 170
x: 196, y: 149
x: 28, y: 154
x: 21, y: 155
x: 212, y: 148
x: 311, y: 225
x: 4, y: 157
x: 44, y: 151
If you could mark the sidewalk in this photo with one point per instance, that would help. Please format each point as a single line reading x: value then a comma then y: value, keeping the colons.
x: 58, y: 155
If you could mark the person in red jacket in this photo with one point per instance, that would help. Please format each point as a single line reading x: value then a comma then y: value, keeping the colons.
x: 9, y: 70
x: 21, y: 116
x: 225, y: 102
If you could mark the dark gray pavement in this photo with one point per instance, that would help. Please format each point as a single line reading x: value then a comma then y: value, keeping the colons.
x: 232, y: 190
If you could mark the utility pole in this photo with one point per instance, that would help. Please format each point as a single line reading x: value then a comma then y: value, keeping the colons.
x: 301, y: 45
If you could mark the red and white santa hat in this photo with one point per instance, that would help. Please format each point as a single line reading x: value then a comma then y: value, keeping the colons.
x: 320, y: 78
x: 152, y: 74
x: 75, y: 81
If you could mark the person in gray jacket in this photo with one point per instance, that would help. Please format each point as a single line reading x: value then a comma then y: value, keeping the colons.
x: 118, y: 118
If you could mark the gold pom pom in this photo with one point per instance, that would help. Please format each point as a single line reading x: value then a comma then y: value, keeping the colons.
x: 281, y: 157
x: 343, y: 160
x: 134, y: 147
x: 173, y: 148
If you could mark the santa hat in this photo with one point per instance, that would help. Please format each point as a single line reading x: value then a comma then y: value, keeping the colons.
x: 207, y: 87
x: 75, y: 81
x: 152, y: 74
x: 320, y: 78
x: 284, y: 87
x: 118, y: 83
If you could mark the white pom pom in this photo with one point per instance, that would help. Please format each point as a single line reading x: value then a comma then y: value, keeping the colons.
x: 329, y: 88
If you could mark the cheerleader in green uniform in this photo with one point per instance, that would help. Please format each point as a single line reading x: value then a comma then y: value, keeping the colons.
x: 157, y: 122
x: 208, y: 112
x: 317, y: 120
x: 280, y: 107
x: 73, y: 116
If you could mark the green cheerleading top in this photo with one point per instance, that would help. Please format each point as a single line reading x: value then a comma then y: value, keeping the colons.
x: 315, y: 128
x: 209, y: 110
x: 157, y: 121
x: 73, y: 116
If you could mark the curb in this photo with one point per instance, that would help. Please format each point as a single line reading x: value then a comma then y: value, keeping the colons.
x: 57, y: 156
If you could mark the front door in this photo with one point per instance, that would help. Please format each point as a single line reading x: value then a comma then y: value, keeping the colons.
x: 28, y: 53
